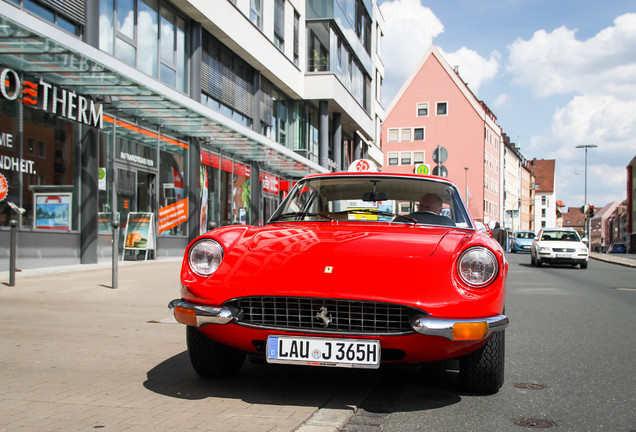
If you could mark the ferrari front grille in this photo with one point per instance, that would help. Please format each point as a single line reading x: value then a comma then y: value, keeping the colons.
x: 324, y: 315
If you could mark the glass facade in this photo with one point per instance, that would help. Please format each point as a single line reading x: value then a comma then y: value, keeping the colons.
x: 110, y: 145
x: 328, y: 51
x: 149, y: 35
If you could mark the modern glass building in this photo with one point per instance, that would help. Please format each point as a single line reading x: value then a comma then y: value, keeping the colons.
x: 165, y: 116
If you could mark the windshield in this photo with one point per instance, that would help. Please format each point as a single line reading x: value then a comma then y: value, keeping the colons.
x: 404, y: 200
x: 560, y: 236
x: 525, y: 235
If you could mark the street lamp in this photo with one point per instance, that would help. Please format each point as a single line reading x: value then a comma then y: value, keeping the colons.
x: 587, y: 225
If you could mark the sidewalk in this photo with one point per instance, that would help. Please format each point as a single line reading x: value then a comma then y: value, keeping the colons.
x: 77, y: 355
x: 628, y: 260
x: 23, y: 273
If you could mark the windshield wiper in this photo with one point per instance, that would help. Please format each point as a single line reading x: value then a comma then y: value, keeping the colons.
x: 300, y: 215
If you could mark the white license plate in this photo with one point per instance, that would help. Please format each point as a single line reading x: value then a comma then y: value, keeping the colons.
x: 564, y: 255
x: 354, y: 353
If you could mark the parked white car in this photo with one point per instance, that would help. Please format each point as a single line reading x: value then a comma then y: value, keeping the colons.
x: 559, y: 246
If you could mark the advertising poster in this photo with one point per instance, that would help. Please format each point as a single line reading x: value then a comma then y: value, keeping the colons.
x: 139, y: 231
x: 172, y: 215
x: 53, y: 211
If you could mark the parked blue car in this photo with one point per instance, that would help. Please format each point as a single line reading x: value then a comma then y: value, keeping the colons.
x: 522, y: 241
x: 617, y: 248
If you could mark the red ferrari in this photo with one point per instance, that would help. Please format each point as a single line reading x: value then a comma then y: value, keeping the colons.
x: 352, y: 270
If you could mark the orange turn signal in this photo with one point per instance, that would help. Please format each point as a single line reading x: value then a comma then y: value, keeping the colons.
x: 185, y: 316
x: 470, y: 330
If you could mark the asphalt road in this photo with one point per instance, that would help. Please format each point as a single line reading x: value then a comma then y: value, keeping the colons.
x: 570, y: 357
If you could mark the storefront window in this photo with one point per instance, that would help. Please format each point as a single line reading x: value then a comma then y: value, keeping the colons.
x: 39, y: 170
x: 10, y: 190
x: 173, y: 202
x: 241, y: 195
x: 229, y: 190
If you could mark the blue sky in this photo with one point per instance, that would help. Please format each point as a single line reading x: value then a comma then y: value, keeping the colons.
x: 556, y: 73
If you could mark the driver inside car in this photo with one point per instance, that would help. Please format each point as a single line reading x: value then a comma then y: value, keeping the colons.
x: 431, y: 203
x: 429, y: 209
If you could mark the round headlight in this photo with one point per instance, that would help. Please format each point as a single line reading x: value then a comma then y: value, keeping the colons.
x: 205, y: 257
x: 477, y: 266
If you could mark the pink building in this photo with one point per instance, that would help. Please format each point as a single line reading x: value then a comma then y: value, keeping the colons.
x: 433, y: 109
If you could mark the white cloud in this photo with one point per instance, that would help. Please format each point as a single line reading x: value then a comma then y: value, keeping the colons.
x: 599, y: 74
x: 558, y: 63
x: 474, y: 69
x: 501, y: 101
x: 409, y: 29
x: 606, y: 122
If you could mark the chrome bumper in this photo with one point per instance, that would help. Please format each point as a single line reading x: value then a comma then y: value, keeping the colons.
x: 461, y: 329
x: 198, y: 315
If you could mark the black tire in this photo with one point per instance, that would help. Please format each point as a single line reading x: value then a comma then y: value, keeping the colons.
x: 538, y: 262
x: 211, y: 359
x: 583, y: 265
x: 482, y: 371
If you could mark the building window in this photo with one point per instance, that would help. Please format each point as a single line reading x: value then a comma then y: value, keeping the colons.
x: 422, y: 109
x: 51, y: 16
x: 393, y: 158
x: 318, y: 55
x: 406, y: 158
x: 418, y: 134
x: 363, y: 26
x: 149, y: 35
x: 227, y: 82
x: 418, y: 157
x: 256, y: 12
x: 327, y: 51
x: 279, y: 24
x: 394, y: 135
x: 442, y: 108
x: 296, y: 38
x: 406, y: 134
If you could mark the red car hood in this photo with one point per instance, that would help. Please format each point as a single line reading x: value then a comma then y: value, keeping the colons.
x: 403, y: 264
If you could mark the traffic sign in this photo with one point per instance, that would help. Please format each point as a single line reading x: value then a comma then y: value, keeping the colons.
x: 423, y: 169
x: 441, y: 171
x: 440, y: 154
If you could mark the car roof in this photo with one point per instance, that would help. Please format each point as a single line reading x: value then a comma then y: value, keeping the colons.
x: 381, y: 174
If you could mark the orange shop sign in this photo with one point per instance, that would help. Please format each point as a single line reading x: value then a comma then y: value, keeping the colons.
x: 172, y: 215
